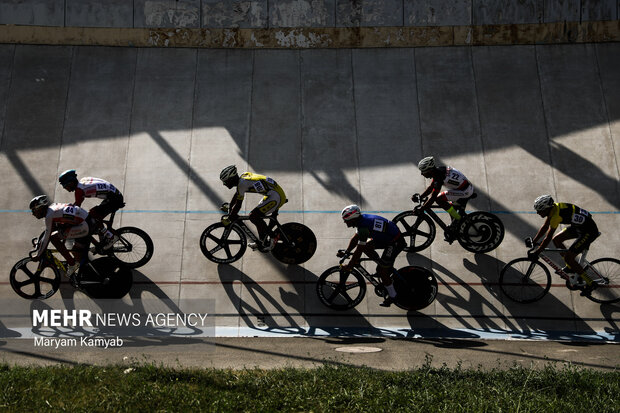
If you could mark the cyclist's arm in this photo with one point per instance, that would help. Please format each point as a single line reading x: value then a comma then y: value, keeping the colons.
x: 79, y: 197
x: 235, y: 205
x: 46, y: 238
x: 548, y: 231
x: 434, y: 192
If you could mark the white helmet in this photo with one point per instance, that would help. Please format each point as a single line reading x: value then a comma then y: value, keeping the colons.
x: 351, y: 212
x: 39, y: 201
x: 543, y: 202
x: 228, y: 173
x: 426, y: 164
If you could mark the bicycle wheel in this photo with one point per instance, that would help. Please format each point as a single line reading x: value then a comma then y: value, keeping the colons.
x: 608, y: 289
x: 31, y: 283
x: 223, y: 244
x: 134, y: 247
x: 416, y: 287
x: 419, y: 230
x: 524, y: 281
x: 481, y: 232
x: 105, y: 278
x: 301, y: 247
x: 340, y: 290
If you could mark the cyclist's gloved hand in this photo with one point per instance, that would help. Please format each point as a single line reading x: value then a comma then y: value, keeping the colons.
x: 532, y: 255
x: 415, y: 197
x: 226, y: 221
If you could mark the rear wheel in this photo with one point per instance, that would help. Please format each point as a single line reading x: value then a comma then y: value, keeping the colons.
x: 608, y: 288
x: 105, y: 278
x: 30, y: 282
x: 341, y: 290
x: 416, y: 287
x: 223, y: 244
x: 480, y: 232
x: 301, y: 245
x: 524, y: 280
x: 418, y: 230
x: 134, y: 247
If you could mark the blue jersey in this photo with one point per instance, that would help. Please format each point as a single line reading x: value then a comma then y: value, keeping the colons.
x: 383, y: 231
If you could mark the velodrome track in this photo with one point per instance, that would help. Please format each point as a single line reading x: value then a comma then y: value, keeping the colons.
x: 333, y: 127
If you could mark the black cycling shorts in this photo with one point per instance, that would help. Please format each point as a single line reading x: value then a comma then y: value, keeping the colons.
x: 111, y: 204
x: 585, y: 235
x: 391, y: 252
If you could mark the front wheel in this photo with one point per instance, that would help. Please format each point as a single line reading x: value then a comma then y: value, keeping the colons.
x: 300, y: 247
x: 134, y: 247
x: 524, y: 280
x: 480, y: 232
x: 223, y: 244
x: 340, y: 290
x: 418, y: 230
x: 416, y: 287
x: 605, y: 272
x: 31, y: 282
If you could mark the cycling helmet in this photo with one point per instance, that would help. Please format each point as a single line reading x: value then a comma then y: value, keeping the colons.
x: 39, y: 201
x: 543, y: 202
x: 228, y: 172
x: 351, y: 212
x: 67, y: 177
x: 426, y: 164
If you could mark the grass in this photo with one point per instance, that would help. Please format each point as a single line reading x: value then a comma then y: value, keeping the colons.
x: 329, y: 388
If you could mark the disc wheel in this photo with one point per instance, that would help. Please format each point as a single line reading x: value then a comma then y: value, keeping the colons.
x: 524, y: 281
x: 340, y: 290
x: 134, y: 247
x: 223, y: 244
x: 30, y: 282
x: 481, y: 232
x: 418, y: 230
x: 301, y: 245
x: 416, y: 287
x: 105, y: 278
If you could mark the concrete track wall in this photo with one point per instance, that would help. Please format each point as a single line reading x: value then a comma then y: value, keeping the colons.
x: 333, y: 127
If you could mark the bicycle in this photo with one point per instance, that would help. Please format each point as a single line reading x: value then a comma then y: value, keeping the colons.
x: 134, y: 247
x: 477, y: 231
x: 224, y: 244
x: 416, y: 287
x: 103, y: 277
x: 524, y: 280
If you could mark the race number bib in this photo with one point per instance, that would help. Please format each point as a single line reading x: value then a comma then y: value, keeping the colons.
x: 579, y: 217
x: 378, y: 225
x: 259, y: 187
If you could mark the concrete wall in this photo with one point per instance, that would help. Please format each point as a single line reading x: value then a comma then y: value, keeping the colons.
x: 300, y: 13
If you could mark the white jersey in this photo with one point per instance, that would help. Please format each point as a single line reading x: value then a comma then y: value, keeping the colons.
x: 95, y: 187
x: 59, y: 217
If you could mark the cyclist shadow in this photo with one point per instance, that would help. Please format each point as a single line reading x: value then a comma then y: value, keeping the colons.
x: 145, y: 297
x: 495, y: 312
x: 263, y: 312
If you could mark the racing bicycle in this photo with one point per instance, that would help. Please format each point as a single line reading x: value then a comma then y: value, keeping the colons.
x: 224, y: 244
x: 525, y: 280
x: 477, y: 231
x: 104, y: 277
x: 416, y: 287
x: 134, y: 247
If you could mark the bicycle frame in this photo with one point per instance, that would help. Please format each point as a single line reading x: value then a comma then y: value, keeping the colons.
x: 585, y: 264
x: 273, y: 223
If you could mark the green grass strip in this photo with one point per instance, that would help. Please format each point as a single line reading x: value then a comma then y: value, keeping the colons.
x: 147, y: 388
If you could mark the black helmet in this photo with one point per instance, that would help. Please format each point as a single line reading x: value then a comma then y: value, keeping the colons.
x: 67, y: 177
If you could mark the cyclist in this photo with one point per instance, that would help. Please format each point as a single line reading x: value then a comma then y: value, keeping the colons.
x: 374, y: 232
x: 90, y: 188
x: 458, y: 187
x: 273, y: 199
x: 62, y: 221
x: 580, y: 226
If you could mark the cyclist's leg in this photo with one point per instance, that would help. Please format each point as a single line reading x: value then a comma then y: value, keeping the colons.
x: 582, y: 243
x: 58, y: 241
x: 446, y: 200
x: 269, y: 204
x: 79, y: 233
x: 386, y: 264
x: 569, y: 256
